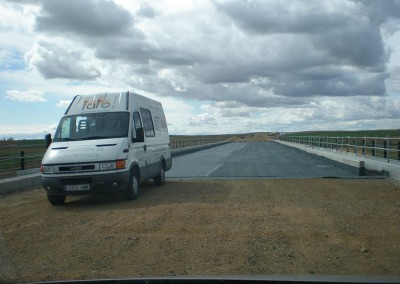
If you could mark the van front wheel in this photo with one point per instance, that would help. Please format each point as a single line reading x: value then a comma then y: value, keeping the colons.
x: 56, y: 199
x: 160, y: 179
x: 132, y: 192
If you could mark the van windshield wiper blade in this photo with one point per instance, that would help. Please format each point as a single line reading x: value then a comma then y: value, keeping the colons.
x: 95, y: 137
x: 64, y: 139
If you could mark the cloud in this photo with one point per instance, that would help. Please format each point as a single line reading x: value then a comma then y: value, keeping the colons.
x: 290, y: 16
x: 94, y: 18
x: 394, y: 80
x: 204, y: 119
x: 229, y: 109
x: 262, y: 64
x: 297, y: 53
x: 295, y: 49
x: 349, y: 113
x: 146, y: 11
x: 25, y: 96
x: 55, y: 61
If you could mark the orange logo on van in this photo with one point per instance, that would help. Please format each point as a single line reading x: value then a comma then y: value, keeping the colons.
x: 96, y: 103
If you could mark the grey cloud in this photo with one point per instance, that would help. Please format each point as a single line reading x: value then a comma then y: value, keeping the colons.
x: 213, y: 74
x: 358, y: 109
x: 243, y: 94
x: 124, y: 48
x: 394, y: 80
x: 140, y: 52
x: 362, y: 47
x: 235, y: 113
x: 344, y: 31
x: 110, y: 30
x: 256, y: 53
x: 226, y: 104
x: 367, y: 84
x: 314, y: 16
x: 54, y: 61
x: 29, y: 2
x: 92, y: 18
x: 380, y: 11
x: 146, y: 11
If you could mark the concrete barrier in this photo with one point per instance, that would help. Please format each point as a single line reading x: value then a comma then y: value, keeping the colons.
x: 179, y: 152
x: 19, y: 182
x: 360, y: 162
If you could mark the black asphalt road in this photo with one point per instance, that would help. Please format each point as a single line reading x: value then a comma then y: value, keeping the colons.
x: 257, y: 159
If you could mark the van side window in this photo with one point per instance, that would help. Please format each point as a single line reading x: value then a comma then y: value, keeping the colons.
x: 147, y: 122
x: 137, y: 123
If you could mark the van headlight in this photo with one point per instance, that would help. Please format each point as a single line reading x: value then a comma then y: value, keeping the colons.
x: 114, y: 165
x: 46, y: 169
x: 105, y: 166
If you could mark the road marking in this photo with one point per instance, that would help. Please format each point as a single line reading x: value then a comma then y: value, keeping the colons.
x: 213, y: 169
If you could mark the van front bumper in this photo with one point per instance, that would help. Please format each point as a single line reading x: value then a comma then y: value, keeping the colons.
x: 85, y: 184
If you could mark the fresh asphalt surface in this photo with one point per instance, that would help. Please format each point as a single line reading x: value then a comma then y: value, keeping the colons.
x: 256, y: 159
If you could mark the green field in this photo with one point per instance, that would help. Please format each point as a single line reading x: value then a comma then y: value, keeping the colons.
x: 10, y: 155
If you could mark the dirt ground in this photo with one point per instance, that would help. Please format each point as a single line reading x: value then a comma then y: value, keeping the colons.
x: 205, y: 227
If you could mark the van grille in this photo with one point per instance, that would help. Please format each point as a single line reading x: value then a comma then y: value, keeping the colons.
x: 76, y: 168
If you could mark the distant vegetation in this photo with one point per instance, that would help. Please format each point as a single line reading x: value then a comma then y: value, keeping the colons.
x: 356, y: 133
x: 24, y: 142
x: 335, y: 133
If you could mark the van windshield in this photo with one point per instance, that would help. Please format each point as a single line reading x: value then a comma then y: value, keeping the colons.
x: 93, y: 126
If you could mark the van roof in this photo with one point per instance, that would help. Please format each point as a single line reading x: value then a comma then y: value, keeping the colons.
x: 99, y: 103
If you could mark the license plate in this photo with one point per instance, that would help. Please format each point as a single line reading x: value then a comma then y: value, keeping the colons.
x: 77, y: 187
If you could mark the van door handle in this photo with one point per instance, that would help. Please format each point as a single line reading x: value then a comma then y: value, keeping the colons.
x: 145, y: 148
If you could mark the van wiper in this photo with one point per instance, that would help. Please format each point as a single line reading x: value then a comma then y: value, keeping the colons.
x: 94, y: 137
x: 64, y: 139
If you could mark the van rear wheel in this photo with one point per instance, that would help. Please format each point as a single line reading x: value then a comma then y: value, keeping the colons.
x: 56, y: 199
x: 132, y: 192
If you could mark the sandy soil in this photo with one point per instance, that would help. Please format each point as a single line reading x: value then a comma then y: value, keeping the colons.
x: 205, y: 227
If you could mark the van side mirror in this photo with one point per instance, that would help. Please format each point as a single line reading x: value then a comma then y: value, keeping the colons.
x: 47, y: 140
x: 139, y: 135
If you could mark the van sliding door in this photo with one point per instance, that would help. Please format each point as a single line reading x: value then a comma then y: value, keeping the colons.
x: 153, y: 162
x: 139, y: 149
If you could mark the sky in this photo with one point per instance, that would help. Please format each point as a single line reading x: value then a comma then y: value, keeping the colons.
x: 217, y: 66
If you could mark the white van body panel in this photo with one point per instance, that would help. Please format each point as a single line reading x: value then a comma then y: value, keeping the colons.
x: 93, y: 150
x: 97, y: 133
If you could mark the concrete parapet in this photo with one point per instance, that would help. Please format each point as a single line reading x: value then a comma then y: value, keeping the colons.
x: 360, y: 162
x: 20, y: 182
x: 184, y: 151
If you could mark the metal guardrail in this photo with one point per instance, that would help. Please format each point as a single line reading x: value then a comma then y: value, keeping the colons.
x: 15, y: 157
x: 387, y: 148
x: 182, y: 143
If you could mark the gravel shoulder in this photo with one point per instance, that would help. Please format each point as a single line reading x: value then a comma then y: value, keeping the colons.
x: 205, y: 227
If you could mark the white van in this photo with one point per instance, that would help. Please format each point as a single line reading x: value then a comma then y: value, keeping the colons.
x: 106, y: 142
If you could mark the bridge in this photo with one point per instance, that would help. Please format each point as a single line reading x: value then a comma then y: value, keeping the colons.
x: 256, y: 160
x: 260, y: 157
